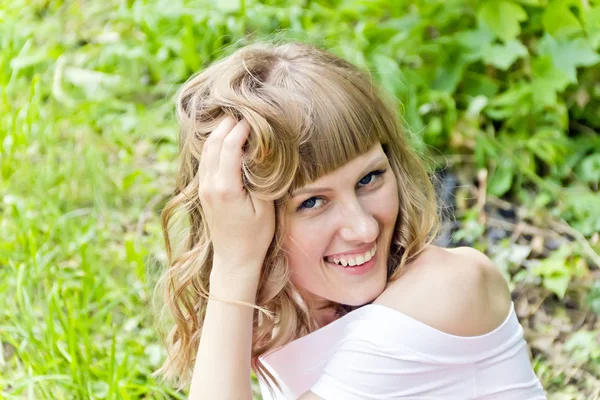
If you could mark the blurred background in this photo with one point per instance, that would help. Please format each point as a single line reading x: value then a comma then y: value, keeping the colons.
x: 505, y: 96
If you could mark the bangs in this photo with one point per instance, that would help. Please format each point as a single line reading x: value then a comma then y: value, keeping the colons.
x: 344, y: 124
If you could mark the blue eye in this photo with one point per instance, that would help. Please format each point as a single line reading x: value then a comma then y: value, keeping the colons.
x: 370, y: 177
x: 312, y: 203
x: 309, y: 203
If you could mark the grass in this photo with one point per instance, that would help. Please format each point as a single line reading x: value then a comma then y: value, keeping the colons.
x: 80, y: 164
x: 88, y: 150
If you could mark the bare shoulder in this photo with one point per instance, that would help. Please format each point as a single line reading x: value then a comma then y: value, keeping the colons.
x: 458, y: 291
x: 309, y: 396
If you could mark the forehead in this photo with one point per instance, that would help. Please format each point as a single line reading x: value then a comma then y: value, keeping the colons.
x: 370, y: 159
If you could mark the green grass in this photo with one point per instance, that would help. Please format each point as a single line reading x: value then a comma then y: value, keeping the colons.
x: 87, y: 159
x: 83, y: 174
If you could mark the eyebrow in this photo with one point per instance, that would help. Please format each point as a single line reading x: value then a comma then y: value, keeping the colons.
x: 379, y: 159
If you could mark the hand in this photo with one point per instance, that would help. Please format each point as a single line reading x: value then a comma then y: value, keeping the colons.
x: 240, y: 225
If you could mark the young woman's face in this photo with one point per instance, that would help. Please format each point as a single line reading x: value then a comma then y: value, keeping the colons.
x: 342, y: 218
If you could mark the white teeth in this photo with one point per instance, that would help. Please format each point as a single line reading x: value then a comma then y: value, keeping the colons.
x: 352, y: 261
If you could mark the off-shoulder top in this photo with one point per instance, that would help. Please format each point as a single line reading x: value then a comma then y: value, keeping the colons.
x: 376, y: 352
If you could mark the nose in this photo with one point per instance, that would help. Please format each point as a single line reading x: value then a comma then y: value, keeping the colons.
x: 358, y: 224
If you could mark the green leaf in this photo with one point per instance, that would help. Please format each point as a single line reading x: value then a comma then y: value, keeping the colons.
x: 449, y: 74
x: 548, y: 144
x: 476, y: 104
x: 589, y: 169
x: 593, y: 297
x: 350, y: 52
x: 592, y: 20
x: 129, y: 179
x: 555, y: 271
x: 504, y: 55
x: 474, y: 42
x: 475, y: 84
x: 583, y: 346
x: 389, y: 72
x: 228, y: 5
x: 27, y: 58
x: 474, y: 39
x: 502, y: 17
x: 557, y: 283
x: 567, y: 55
x: 558, y: 19
x: 509, y: 102
x: 547, y: 82
x: 433, y: 131
x: 544, y: 71
x: 502, y: 179
x: 533, y: 3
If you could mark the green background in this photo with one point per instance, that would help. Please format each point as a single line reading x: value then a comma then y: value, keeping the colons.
x: 504, y: 94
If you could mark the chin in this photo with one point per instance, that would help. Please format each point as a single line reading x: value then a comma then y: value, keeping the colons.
x: 357, y: 302
x: 366, y: 295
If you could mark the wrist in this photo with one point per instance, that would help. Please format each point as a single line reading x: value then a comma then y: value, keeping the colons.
x: 238, y: 284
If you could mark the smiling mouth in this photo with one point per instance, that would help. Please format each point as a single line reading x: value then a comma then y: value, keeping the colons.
x: 355, y: 260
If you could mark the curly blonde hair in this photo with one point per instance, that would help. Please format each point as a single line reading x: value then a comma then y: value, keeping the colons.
x: 310, y: 112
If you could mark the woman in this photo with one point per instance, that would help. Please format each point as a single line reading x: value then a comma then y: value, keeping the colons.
x: 307, y: 204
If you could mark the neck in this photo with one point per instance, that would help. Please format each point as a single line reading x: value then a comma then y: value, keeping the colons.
x: 325, y: 316
x: 323, y: 311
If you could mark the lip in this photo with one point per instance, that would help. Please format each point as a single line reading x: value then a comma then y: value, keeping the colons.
x: 360, y: 270
x: 360, y: 250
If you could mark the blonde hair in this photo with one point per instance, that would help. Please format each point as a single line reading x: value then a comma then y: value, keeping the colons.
x: 310, y: 112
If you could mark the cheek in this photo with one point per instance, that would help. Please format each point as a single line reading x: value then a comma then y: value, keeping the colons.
x: 386, y: 205
x: 305, y: 245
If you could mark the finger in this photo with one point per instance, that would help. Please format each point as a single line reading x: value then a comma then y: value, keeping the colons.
x: 209, y: 162
x: 230, y: 165
x: 261, y: 207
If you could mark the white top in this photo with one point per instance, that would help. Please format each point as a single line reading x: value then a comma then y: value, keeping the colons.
x: 376, y: 352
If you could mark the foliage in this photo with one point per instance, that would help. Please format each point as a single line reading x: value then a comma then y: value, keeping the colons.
x: 88, y: 147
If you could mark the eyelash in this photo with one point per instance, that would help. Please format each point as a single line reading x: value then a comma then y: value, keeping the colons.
x: 376, y: 175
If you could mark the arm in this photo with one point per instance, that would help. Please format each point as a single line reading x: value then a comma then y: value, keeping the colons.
x: 241, y: 228
x: 222, y: 367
